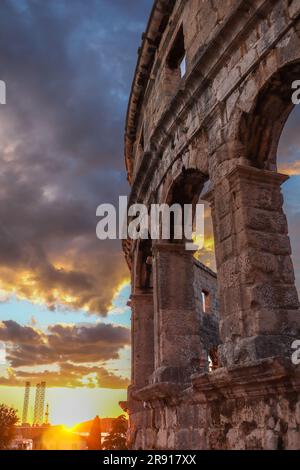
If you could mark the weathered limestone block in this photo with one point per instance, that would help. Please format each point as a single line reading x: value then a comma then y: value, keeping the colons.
x: 288, y: 47
x: 293, y: 439
x: 260, y: 220
x: 294, y: 8
x: 162, y: 439
x: 271, y: 28
x: 171, y: 417
x: 150, y: 438
x: 270, y: 441
x: 171, y: 440
x: 267, y: 242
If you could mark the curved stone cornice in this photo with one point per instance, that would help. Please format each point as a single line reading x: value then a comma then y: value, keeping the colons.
x: 157, y: 23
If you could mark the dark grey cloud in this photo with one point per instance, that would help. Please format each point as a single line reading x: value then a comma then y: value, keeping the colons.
x: 68, y: 68
x: 11, y: 331
x: 71, y: 355
x: 28, y: 346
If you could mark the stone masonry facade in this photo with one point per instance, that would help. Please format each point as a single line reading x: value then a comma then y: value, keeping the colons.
x: 211, y: 356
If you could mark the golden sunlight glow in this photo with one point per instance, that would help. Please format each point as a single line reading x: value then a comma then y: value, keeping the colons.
x: 291, y: 169
x: 70, y: 406
x: 27, y: 285
x: 68, y: 428
x: 73, y: 406
x: 209, y: 244
x: 27, y: 289
x: 117, y: 292
x: 198, y: 240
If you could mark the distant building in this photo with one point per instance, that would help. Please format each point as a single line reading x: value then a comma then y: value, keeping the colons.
x: 21, y: 444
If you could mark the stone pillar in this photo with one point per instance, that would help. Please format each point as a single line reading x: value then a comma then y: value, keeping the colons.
x: 258, y: 298
x: 176, y: 323
x: 142, y: 364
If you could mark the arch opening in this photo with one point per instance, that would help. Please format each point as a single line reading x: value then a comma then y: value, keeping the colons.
x: 261, y: 128
x: 288, y: 162
x: 190, y: 188
x: 270, y: 135
x: 260, y: 304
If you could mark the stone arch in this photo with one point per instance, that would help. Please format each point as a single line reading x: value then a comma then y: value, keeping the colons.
x: 261, y: 128
x: 187, y: 188
x: 256, y: 276
x: 181, y: 347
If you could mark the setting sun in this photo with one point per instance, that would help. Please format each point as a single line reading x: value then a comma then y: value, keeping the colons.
x: 69, y: 407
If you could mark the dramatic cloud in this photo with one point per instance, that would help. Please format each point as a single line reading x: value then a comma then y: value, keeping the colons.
x: 70, y: 355
x: 12, y: 332
x: 289, y: 146
x: 291, y: 169
x: 69, y: 376
x: 68, y: 70
x: 27, y: 346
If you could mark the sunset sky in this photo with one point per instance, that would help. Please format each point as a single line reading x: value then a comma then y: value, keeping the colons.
x: 63, y: 294
x: 68, y: 68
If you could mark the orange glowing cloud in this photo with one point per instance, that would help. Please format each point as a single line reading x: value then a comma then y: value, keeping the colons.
x: 291, y: 169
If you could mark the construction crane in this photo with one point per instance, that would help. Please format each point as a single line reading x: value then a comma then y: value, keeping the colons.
x: 42, y: 402
x: 36, y: 404
x: 26, y: 403
x: 39, y: 404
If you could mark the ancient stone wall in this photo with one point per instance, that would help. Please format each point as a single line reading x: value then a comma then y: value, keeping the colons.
x: 228, y: 411
x: 210, y: 96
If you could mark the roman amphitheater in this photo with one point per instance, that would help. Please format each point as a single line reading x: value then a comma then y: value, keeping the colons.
x: 211, y: 354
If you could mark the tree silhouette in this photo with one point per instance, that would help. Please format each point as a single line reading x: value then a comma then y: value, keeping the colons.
x: 94, y: 439
x: 116, y: 440
x: 8, y: 420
